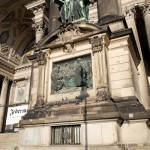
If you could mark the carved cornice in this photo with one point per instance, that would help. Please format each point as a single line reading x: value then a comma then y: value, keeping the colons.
x: 23, y: 67
x: 36, y: 5
x: 6, y: 65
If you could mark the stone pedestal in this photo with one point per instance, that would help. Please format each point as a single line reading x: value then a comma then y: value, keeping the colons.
x: 53, y: 17
x: 105, y: 10
x: 3, y: 98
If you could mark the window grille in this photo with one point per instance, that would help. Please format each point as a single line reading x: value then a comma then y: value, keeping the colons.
x: 64, y: 135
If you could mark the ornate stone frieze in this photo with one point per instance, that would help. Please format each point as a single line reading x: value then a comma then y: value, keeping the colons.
x: 22, y: 83
x: 23, y: 67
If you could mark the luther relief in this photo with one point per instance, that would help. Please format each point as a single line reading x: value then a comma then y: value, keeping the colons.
x: 73, y: 10
x: 71, y: 74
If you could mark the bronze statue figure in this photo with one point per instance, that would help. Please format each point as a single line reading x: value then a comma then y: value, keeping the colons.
x: 73, y: 10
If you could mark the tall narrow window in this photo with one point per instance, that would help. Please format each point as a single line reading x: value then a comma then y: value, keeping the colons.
x: 64, y: 135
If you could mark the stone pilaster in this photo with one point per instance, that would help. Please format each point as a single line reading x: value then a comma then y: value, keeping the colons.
x: 12, y: 92
x: 3, y: 98
x: 99, y: 52
x: 37, y: 8
x: 41, y: 79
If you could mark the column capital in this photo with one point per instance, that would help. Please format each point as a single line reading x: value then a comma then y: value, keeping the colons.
x: 6, y: 80
x: 41, y: 59
x: 146, y: 9
x: 14, y: 83
x: 129, y: 12
x: 39, y: 27
x: 97, y: 43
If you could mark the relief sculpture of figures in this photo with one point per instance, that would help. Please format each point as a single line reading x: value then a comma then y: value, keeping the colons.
x: 73, y: 10
x: 57, y: 82
x: 80, y: 73
x: 71, y: 74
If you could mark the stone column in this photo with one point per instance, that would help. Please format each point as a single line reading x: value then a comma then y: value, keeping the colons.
x: 37, y: 7
x: 3, y: 98
x: 99, y: 51
x: 146, y: 13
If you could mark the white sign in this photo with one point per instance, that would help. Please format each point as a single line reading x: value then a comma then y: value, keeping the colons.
x: 15, y: 113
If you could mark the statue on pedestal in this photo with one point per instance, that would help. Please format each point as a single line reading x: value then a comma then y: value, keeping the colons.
x: 73, y: 10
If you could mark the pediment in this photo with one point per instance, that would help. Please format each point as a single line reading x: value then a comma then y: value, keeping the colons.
x: 69, y: 34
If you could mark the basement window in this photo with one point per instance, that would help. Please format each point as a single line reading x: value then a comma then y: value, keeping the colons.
x: 65, y: 135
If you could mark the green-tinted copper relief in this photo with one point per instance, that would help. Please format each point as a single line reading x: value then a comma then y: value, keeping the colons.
x: 71, y: 74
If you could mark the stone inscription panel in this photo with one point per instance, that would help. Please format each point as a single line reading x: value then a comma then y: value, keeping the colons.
x: 71, y: 74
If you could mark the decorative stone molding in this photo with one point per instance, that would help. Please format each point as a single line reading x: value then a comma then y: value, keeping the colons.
x: 68, y: 33
x: 146, y: 9
x: 129, y: 12
x: 23, y: 67
x: 41, y: 58
x: 69, y: 48
x: 102, y: 95
x: 22, y: 83
x: 36, y: 5
x: 6, y: 80
x: 14, y: 83
x: 40, y: 27
x: 39, y: 102
x: 97, y: 44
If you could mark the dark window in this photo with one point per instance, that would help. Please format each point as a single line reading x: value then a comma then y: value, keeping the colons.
x: 69, y: 134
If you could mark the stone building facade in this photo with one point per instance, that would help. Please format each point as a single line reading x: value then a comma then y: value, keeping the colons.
x: 82, y: 85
